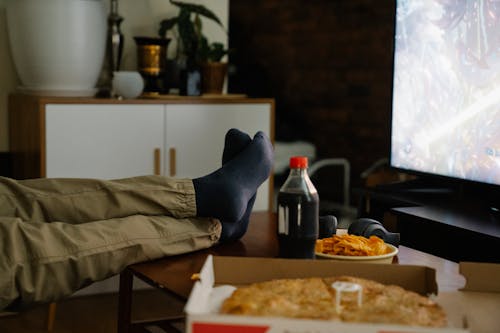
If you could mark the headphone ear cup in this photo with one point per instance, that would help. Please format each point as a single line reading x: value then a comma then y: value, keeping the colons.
x: 359, y: 226
x: 356, y: 228
x: 374, y: 230
x: 369, y: 227
x: 327, y: 226
x: 393, y: 238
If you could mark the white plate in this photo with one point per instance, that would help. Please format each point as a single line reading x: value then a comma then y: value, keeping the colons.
x: 384, y: 258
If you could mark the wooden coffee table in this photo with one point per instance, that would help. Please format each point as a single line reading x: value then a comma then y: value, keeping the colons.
x: 173, y: 274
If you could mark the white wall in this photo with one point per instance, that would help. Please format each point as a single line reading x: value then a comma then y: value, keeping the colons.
x: 141, y: 18
x: 8, y: 77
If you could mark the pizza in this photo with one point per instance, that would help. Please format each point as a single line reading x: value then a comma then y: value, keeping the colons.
x: 358, y: 300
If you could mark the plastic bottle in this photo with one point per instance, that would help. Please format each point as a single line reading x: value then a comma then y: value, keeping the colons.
x: 298, y: 213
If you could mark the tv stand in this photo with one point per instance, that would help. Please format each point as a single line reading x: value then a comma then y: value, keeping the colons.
x: 449, y: 220
x: 455, y: 233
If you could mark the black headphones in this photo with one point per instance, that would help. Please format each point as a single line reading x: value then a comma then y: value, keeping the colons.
x: 367, y: 227
x: 362, y: 227
x: 327, y: 226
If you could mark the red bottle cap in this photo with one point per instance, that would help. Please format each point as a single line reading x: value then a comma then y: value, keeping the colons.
x: 298, y: 162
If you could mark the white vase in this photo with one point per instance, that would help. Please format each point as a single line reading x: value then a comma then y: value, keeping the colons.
x: 57, y: 46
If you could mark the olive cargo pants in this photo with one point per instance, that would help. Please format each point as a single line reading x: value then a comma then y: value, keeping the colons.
x: 59, y: 235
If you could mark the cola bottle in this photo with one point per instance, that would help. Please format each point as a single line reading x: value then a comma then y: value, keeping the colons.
x: 298, y: 213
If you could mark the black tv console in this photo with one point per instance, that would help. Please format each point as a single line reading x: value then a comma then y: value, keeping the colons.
x: 449, y: 232
x: 438, y: 220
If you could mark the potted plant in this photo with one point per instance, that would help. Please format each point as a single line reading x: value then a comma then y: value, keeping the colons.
x: 193, y: 48
x: 213, y: 70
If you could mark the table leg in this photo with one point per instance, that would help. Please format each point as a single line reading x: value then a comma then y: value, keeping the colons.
x: 51, y: 317
x: 125, y: 301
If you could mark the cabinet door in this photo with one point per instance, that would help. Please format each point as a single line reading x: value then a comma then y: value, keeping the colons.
x: 195, y: 137
x: 102, y: 141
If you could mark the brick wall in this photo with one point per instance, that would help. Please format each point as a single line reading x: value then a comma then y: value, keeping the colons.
x: 328, y: 63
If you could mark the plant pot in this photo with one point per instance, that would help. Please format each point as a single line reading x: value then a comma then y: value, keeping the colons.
x: 57, y: 46
x: 213, y: 76
x: 151, y: 62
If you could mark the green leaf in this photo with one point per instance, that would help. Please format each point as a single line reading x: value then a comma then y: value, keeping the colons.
x: 203, y: 50
x: 198, y: 25
x: 217, y: 51
x: 166, y: 25
x: 198, y: 9
x: 187, y: 32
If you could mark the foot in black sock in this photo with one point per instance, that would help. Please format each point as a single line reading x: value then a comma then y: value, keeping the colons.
x: 232, y: 231
x: 225, y: 193
x: 235, y: 141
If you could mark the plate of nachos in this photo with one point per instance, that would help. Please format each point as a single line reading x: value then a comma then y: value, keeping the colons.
x: 355, y: 248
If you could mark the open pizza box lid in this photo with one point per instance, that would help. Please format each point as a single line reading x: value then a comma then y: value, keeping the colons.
x: 202, y: 306
x: 477, y: 304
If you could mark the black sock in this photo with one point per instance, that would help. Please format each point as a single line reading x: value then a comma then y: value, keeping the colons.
x: 235, y: 141
x: 232, y: 231
x: 225, y: 193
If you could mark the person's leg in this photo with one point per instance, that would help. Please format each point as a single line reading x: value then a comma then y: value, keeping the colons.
x: 225, y: 193
x: 45, y: 262
x: 84, y: 200
x: 79, y: 254
x: 235, y: 142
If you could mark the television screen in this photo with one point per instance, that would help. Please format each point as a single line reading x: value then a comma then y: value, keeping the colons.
x: 446, y: 89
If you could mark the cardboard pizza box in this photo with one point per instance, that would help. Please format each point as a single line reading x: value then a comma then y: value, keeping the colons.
x: 473, y: 309
x: 477, y: 304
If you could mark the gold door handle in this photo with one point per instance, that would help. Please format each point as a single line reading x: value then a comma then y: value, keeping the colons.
x: 172, y: 156
x: 157, y: 161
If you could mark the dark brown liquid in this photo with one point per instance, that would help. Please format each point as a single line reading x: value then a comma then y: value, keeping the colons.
x: 297, y: 224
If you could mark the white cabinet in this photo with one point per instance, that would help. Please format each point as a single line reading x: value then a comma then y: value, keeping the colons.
x: 109, y: 139
x: 102, y: 141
